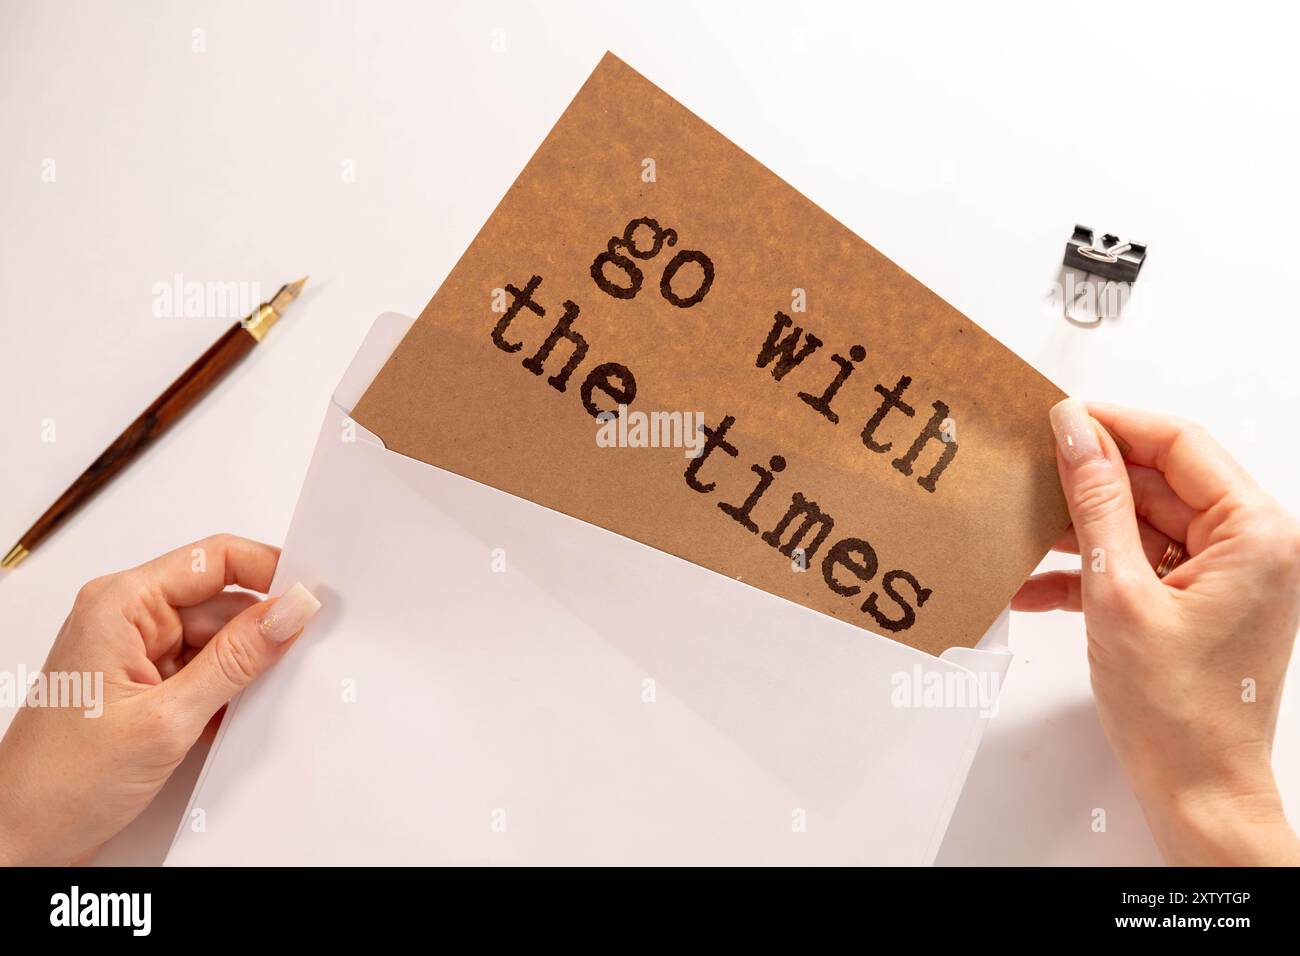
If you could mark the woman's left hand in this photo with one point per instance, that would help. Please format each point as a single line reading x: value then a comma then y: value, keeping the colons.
x: 148, y: 657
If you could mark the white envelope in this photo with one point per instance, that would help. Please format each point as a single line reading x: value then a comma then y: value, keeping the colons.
x: 493, y: 682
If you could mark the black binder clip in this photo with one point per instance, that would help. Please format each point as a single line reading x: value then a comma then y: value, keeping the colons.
x: 1108, y: 266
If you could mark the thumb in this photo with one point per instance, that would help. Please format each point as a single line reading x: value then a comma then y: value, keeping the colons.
x: 237, y: 654
x: 1095, y: 481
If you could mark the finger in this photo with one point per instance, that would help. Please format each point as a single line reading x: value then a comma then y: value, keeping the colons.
x: 1153, y: 500
x: 1158, y: 504
x: 167, y: 666
x: 1196, y: 467
x: 239, y: 653
x: 1097, y: 492
x: 1052, y: 591
x: 201, y: 621
x: 1067, y: 543
x: 194, y: 628
x: 197, y: 626
x: 1154, y: 543
x: 194, y: 573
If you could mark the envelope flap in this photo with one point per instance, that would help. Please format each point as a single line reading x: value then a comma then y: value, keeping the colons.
x: 386, y: 333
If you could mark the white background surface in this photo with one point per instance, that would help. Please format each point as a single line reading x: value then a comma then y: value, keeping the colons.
x: 963, y: 141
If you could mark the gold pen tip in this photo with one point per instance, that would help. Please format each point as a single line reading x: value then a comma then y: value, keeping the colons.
x: 15, y: 555
x: 279, y: 302
x: 268, y: 313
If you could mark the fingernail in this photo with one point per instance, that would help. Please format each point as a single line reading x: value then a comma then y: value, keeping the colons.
x: 1075, y: 432
x: 286, y: 617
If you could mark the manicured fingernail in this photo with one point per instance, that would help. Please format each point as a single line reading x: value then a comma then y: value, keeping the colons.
x: 1075, y: 432
x: 286, y: 617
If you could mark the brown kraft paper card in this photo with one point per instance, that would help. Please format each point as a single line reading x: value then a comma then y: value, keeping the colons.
x: 859, y: 446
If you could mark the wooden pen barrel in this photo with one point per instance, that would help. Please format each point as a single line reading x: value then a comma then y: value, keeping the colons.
x: 179, y: 397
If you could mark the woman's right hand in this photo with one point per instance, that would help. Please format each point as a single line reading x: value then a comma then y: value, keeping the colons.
x: 1188, y: 669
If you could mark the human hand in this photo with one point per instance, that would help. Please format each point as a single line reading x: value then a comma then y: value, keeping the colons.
x: 1187, y: 670
x: 172, y: 646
